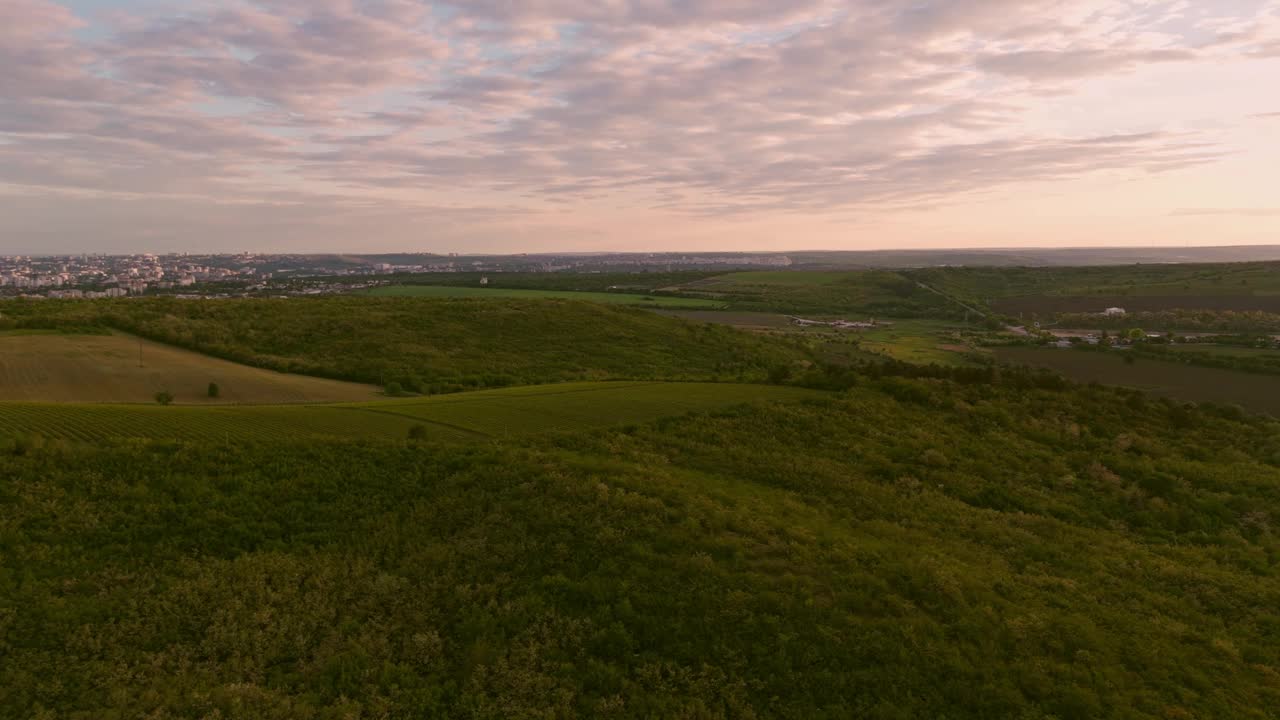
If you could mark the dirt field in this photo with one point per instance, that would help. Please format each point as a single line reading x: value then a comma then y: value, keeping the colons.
x: 1259, y: 393
x: 105, y: 368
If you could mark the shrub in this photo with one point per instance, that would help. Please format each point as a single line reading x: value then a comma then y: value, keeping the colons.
x: 214, y: 390
x: 164, y: 397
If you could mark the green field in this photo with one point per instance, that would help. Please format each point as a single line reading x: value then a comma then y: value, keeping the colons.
x: 920, y: 341
x: 431, y: 345
x: 465, y: 416
x: 115, y: 368
x: 445, y: 291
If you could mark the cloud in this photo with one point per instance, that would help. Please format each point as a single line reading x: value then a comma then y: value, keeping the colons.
x: 704, y: 107
x: 1234, y: 212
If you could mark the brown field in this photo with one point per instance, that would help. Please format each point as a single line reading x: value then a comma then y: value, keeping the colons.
x: 1259, y: 393
x: 105, y: 368
x: 1047, y: 304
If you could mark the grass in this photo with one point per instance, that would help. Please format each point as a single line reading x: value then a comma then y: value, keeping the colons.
x: 918, y: 341
x: 443, y: 291
x: 114, y: 368
x: 452, y: 418
x: 1259, y: 393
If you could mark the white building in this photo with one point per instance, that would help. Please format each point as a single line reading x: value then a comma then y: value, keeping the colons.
x: 1114, y: 312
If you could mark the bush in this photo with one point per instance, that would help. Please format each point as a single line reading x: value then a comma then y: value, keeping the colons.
x: 164, y: 397
x: 418, y: 432
x: 394, y: 389
x: 214, y: 390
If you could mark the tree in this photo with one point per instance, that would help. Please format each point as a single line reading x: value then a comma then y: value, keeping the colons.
x: 214, y: 390
x: 394, y: 389
x: 418, y: 432
x: 779, y: 373
x: 164, y: 397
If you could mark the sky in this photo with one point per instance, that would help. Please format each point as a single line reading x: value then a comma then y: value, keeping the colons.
x: 493, y: 126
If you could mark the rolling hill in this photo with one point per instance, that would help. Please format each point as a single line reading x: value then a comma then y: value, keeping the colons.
x: 432, y: 344
x: 114, y: 368
x: 913, y: 548
x: 462, y: 417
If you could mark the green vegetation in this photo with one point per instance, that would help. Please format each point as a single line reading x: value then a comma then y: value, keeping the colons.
x: 591, y: 282
x: 1190, y: 281
x: 1183, y: 321
x: 867, y: 537
x: 433, y: 345
x: 913, y: 548
x: 616, y: 298
x: 871, y: 293
x: 164, y: 397
x: 924, y: 342
x: 462, y: 417
x: 50, y: 366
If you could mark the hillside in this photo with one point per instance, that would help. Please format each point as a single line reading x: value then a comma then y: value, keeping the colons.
x: 114, y: 368
x: 462, y: 417
x: 430, y: 344
x: 913, y: 548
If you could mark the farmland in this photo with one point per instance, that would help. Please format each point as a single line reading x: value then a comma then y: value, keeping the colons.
x: 445, y: 291
x: 866, y: 293
x: 115, y: 368
x: 1258, y: 393
x: 921, y: 341
x: 433, y: 345
x: 450, y: 418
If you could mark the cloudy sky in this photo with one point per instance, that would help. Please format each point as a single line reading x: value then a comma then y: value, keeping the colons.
x: 532, y: 125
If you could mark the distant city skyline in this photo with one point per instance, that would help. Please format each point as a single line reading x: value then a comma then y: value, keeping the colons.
x: 484, y: 126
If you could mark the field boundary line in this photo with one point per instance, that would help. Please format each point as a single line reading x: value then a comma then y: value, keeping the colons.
x: 425, y: 421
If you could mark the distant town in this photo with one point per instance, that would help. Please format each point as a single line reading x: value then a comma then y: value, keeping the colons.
x: 248, y: 274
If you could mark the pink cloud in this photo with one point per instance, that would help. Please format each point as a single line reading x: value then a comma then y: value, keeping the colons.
x: 704, y: 106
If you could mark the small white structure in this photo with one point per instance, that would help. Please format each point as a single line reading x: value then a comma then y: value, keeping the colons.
x: 1114, y: 312
x: 484, y: 280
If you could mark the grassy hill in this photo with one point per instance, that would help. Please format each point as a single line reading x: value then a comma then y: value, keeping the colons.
x: 912, y: 548
x: 878, y: 293
x: 56, y: 367
x: 450, y: 418
x: 1240, y: 287
x: 430, y: 344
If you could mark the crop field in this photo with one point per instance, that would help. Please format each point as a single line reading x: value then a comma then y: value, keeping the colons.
x: 600, y: 297
x: 115, y: 368
x: 919, y: 341
x: 1259, y: 393
x: 451, y: 418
